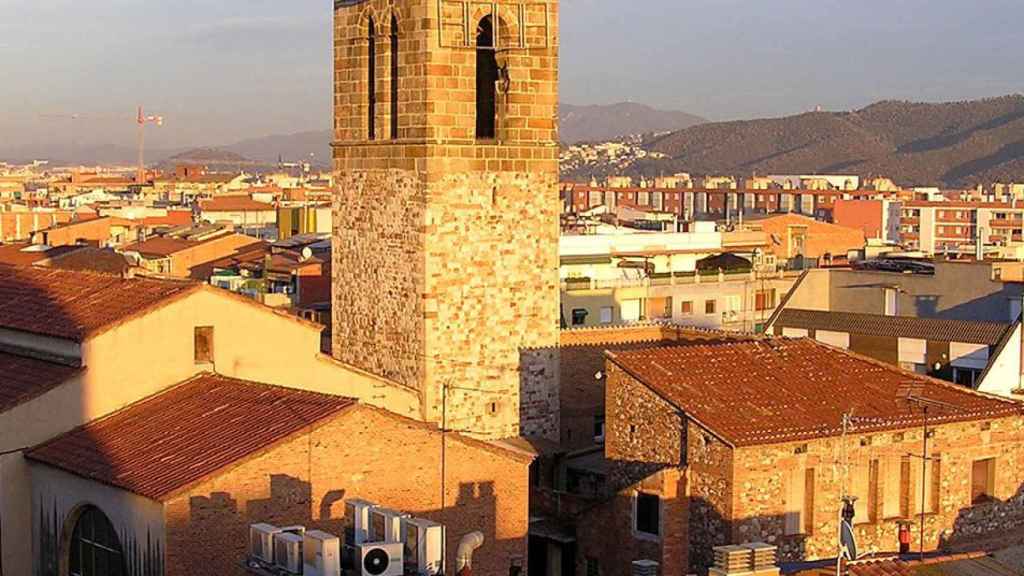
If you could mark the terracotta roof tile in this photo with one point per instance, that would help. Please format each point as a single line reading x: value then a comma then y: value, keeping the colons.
x: 989, y: 333
x: 234, y: 204
x: 74, y: 305
x: 160, y: 246
x: 25, y: 378
x: 777, y: 391
x: 174, y: 439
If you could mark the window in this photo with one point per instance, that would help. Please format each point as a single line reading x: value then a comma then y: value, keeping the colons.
x: 95, y: 549
x: 647, y: 516
x: 394, y: 78
x: 710, y: 306
x: 892, y: 492
x: 607, y: 315
x: 983, y: 477
x: 203, y: 345
x: 579, y: 316
x: 799, y: 515
x: 486, y: 80
x: 599, y: 428
x: 686, y: 308
x: 764, y: 300
x: 644, y: 199
x: 966, y: 376
x: 371, y: 81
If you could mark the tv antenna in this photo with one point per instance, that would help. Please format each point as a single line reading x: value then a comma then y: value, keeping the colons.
x: 847, y: 541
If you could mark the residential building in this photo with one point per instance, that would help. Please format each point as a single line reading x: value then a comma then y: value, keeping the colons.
x: 752, y: 434
x: 184, y: 473
x: 879, y: 218
x: 957, y: 227
x: 20, y: 226
x: 78, y: 346
x: 242, y: 211
x: 704, y: 279
x: 178, y: 257
x: 799, y: 241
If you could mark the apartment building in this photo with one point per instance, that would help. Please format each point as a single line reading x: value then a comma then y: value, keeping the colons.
x: 956, y: 227
x: 704, y: 279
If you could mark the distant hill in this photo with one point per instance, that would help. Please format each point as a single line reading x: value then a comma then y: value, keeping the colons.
x: 949, y: 144
x: 313, y: 146
x: 602, y: 123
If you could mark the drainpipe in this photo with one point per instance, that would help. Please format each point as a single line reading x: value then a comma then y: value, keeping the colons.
x: 464, y: 554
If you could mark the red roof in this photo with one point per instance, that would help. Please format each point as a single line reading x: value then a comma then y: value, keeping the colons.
x: 776, y: 391
x: 160, y: 246
x: 234, y: 204
x: 170, y: 441
x: 74, y: 305
x: 25, y: 378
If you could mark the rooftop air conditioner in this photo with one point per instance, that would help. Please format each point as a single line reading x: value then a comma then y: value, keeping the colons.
x: 423, y: 544
x: 381, y: 559
x: 261, y: 542
x: 386, y: 525
x: 321, y: 554
x: 288, y: 552
x: 357, y: 521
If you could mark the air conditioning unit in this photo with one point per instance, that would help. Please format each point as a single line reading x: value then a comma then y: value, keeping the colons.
x: 261, y: 542
x: 357, y: 521
x: 386, y: 525
x: 424, y: 541
x: 321, y: 554
x: 288, y: 552
x: 381, y: 559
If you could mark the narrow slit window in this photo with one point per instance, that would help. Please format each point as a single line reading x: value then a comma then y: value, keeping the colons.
x: 486, y: 80
x: 371, y: 82
x: 394, y: 78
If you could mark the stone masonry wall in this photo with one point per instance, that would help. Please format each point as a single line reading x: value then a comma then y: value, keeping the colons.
x: 761, y: 472
x: 446, y: 247
x: 364, y: 453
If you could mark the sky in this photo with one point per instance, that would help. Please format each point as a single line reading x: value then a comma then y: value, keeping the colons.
x: 225, y: 70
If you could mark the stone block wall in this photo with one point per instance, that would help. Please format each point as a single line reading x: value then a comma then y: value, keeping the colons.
x: 446, y: 247
x: 760, y: 484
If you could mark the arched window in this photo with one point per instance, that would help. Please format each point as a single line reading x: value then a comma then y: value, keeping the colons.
x: 394, y: 77
x: 371, y: 82
x: 95, y: 548
x: 486, y: 77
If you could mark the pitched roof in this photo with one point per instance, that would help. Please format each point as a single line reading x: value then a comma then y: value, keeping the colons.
x: 160, y: 246
x: 75, y: 305
x: 25, y: 378
x: 92, y: 259
x: 234, y: 204
x: 781, y: 390
x: 936, y: 329
x: 170, y: 441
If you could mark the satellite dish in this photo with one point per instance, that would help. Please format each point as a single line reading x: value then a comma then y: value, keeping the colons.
x: 847, y: 541
x: 376, y: 562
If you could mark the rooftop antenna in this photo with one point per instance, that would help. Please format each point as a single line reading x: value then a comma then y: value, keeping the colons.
x: 847, y: 542
x: 912, y: 393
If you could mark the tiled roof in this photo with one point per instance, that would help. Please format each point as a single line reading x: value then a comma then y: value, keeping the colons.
x: 935, y: 329
x: 234, y: 204
x: 174, y: 439
x: 25, y: 378
x: 74, y: 305
x: 160, y: 246
x: 17, y: 255
x: 776, y: 391
x: 103, y: 260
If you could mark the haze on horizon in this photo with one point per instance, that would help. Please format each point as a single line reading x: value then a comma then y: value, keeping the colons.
x: 226, y: 71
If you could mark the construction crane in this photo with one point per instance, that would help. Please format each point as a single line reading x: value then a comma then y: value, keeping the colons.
x: 141, y: 120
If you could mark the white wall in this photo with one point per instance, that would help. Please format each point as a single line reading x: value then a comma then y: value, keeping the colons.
x: 1003, y: 375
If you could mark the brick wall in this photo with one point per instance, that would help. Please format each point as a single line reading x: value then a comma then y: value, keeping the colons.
x: 364, y: 453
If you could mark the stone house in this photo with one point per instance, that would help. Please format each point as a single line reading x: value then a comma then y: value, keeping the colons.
x: 755, y: 430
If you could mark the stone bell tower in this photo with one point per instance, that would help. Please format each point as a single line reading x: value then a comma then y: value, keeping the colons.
x: 446, y: 210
